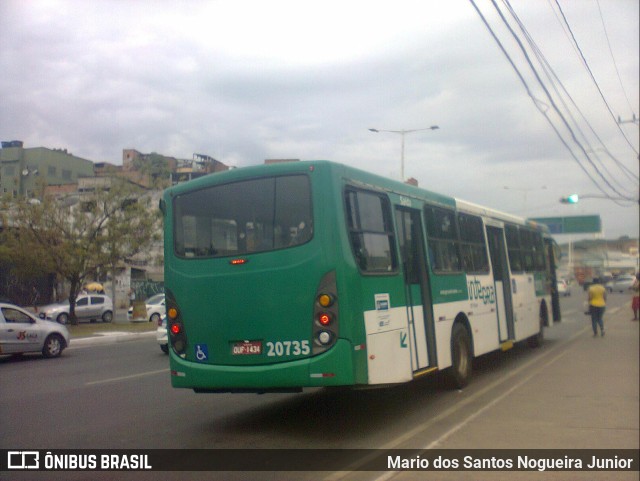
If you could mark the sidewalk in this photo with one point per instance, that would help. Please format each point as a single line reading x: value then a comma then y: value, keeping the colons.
x: 116, y: 331
x: 109, y: 337
x: 584, y: 394
x: 105, y: 333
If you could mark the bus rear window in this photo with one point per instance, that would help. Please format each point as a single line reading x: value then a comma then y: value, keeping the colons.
x: 257, y: 215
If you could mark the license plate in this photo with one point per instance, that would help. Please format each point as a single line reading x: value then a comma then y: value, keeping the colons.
x: 246, y: 348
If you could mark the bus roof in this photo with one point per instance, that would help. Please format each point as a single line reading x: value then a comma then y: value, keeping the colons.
x: 355, y: 176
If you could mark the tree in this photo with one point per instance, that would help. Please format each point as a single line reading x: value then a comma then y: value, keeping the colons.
x: 156, y: 167
x: 82, y: 235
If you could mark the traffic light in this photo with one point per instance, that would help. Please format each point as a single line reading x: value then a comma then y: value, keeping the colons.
x: 570, y: 199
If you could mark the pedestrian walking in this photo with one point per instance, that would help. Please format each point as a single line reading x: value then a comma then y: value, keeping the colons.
x: 597, y: 296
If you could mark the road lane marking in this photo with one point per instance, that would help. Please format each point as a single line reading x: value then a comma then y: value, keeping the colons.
x: 127, y: 378
x: 518, y: 385
x: 393, y: 444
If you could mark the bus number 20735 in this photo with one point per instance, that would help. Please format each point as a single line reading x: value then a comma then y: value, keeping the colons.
x: 288, y: 348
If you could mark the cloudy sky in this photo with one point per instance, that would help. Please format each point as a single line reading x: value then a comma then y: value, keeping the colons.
x: 247, y: 80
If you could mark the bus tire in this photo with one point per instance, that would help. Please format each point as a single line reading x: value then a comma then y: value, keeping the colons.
x: 460, y: 371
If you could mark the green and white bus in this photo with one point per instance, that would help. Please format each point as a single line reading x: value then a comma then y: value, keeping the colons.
x: 310, y: 274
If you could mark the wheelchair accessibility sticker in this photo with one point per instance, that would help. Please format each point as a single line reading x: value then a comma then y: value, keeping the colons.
x: 202, y: 352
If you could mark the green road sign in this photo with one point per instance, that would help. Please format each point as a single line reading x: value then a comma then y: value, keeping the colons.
x: 579, y: 224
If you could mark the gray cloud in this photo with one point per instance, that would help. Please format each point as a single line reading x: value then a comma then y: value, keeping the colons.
x: 244, y: 81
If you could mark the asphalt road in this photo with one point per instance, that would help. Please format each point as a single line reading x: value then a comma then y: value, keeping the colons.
x: 118, y: 396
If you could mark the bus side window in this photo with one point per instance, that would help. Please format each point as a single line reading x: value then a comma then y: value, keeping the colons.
x: 443, y: 244
x: 513, y: 247
x: 472, y: 244
x: 371, y: 231
x: 526, y: 249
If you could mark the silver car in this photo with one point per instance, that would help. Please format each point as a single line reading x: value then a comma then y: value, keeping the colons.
x: 155, y: 308
x: 89, y: 307
x: 622, y: 283
x: 22, y: 332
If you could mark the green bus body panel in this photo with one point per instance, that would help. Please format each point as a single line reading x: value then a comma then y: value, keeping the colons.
x: 326, y: 369
x: 449, y: 288
x: 268, y: 299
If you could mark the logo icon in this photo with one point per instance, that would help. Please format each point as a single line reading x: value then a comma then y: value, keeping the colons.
x: 202, y: 352
x: 23, y: 460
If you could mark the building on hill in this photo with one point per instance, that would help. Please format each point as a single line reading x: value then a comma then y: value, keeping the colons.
x: 162, y: 170
x: 24, y: 172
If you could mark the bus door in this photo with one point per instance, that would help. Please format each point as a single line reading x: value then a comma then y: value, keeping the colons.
x: 418, y: 294
x: 502, y: 282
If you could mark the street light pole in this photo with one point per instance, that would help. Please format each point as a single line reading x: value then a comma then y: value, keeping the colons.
x: 402, y: 134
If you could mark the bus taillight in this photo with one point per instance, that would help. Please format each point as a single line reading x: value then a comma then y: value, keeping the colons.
x: 325, y: 300
x: 325, y: 314
x: 324, y: 338
x: 177, y: 334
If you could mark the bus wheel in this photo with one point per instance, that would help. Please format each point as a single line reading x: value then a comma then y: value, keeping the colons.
x: 460, y: 370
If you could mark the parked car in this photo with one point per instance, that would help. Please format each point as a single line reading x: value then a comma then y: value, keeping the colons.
x: 563, y: 288
x: 155, y: 308
x: 622, y: 283
x: 89, y: 307
x: 162, y: 335
x: 21, y: 331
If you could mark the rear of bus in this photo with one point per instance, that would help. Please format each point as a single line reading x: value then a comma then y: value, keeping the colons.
x: 251, y: 280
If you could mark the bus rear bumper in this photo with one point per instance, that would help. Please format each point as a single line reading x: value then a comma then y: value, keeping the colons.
x: 332, y: 368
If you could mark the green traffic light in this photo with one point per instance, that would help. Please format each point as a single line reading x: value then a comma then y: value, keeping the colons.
x: 570, y: 199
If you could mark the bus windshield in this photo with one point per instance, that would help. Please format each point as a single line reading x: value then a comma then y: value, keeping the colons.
x: 256, y: 215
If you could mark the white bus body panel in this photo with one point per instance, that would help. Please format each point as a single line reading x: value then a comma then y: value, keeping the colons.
x: 388, y: 346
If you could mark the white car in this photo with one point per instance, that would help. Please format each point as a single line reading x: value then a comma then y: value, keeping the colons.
x: 622, y: 283
x: 155, y: 308
x: 21, y: 332
x: 563, y: 288
x: 89, y: 307
x: 162, y: 335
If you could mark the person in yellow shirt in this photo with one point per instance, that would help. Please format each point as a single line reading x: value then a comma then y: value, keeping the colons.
x: 597, y: 304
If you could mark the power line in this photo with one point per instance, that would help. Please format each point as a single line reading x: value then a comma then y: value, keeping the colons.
x: 615, y: 65
x: 529, y: 92
x: 554, y: 79
x: 537, y: 102
x: 551, y: 99
x: 553, y: 103
x: 595, y: 82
